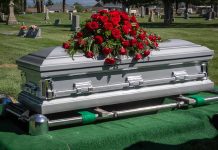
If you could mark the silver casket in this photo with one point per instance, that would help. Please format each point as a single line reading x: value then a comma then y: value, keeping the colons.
x: 54, y: 82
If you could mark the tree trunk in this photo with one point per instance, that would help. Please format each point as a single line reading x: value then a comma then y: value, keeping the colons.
x: 38, y: 6
x: 64, y: 5
x: 168, y: 11
x: 186, y: 5
x: 177, y: 6
x: 24, y: 5
x: 42, y: 6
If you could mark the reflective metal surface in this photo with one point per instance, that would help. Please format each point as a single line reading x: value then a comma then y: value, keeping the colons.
x: 38, y: 125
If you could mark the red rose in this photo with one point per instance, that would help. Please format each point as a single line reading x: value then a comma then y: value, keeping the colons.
x: 116, y: 33
x: 122, y: 51
x: 125, y: 43
x: 110, y: 61
x: 133, y: 42
x: 66, y: 45
x: 138, y: 56
x: 141, y: 36
x: 106, y: 51
x: 89, y: 54
x: 92, y: 25
x: 133, y: 19
x: 156, y: 44
x: 79, y: 34
x: 115, y: 20
x: 98, y: 39
x: 103, y: 11
x: 103, y: 18
x: 152, y: 38
x: 146, y: 42
x: 133, y: 32
x: 114, y: 13
x: 81, y: 42
x: 140, y: 45
x: 108, y: 26
x: 125, y: 29
x: 127, y: 23
x: 147, y: 52
x: 95, y: 16
x: 158, y: 38
x: 124, y: 16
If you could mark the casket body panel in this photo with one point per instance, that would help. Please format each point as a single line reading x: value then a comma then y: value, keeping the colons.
x: 54, y: 82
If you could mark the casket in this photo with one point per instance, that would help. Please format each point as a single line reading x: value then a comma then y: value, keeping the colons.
x: 55, y: 82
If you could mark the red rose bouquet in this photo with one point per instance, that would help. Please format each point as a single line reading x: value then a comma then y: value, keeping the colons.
x: 23, y: 27
x: 112, y: 34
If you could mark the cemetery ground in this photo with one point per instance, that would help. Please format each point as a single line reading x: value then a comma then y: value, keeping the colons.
x: 195, y: 29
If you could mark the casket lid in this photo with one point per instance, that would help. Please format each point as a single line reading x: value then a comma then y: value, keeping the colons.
x: 55, y: 58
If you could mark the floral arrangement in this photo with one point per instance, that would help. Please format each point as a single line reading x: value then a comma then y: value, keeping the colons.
x: 112, y: 34
x: 23, y: 27
x: 33, y: 27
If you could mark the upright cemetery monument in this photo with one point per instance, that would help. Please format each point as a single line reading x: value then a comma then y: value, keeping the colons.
x: 11, y: 17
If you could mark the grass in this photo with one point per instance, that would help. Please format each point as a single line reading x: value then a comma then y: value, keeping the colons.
x: 196, y: 29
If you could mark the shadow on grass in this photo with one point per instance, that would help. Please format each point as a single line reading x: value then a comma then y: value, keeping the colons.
x: 203, y: 144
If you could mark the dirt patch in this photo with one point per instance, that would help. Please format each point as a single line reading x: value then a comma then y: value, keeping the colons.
x: 8, y: 66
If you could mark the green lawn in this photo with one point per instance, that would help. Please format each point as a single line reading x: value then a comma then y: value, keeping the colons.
x: 12, y: 47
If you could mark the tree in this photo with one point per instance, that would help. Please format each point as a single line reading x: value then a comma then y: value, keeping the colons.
x: 78, y: 7
x: 49, y: 3
x: 64, y: 5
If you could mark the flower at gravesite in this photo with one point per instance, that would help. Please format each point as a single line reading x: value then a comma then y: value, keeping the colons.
x: 33, y: 27
x: 112, y: 34
x: 23, y: 28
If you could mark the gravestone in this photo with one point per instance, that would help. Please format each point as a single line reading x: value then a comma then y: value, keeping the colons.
x: 47, y: 15
x: 57, y: 22
x: 70, y: 16
x: 11, y: 18
x: 186, y: 15
x: 44, y: 8
x: 142, y: 11
x: 151, y: 16
x: 209, y: 15
x: 158, y: 15
x: 33, y: 33
x: 75, y: 23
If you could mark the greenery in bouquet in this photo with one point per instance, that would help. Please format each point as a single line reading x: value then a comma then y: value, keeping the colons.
x: 112, y: 34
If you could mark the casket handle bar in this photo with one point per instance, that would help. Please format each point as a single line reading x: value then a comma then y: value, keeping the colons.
x: 47, y: 89
x: 131, y: 82
x: 101, y: 114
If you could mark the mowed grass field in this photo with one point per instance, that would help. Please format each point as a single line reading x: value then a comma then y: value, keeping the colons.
x: 196, y: 29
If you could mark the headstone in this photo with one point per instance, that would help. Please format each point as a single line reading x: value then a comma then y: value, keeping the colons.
x: 47, y: 14
x: 186, y: 15
x: 158, y: 15
x: 70, y: 16
x: 11, y: 18
x: 209, y: 15
x: 57, y: 22
x: 33, y: 32
x: 142, y: 11
x: 213, y: 15
x: 151, y: 16
x: 44, y: 8
x: 75, y: 23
